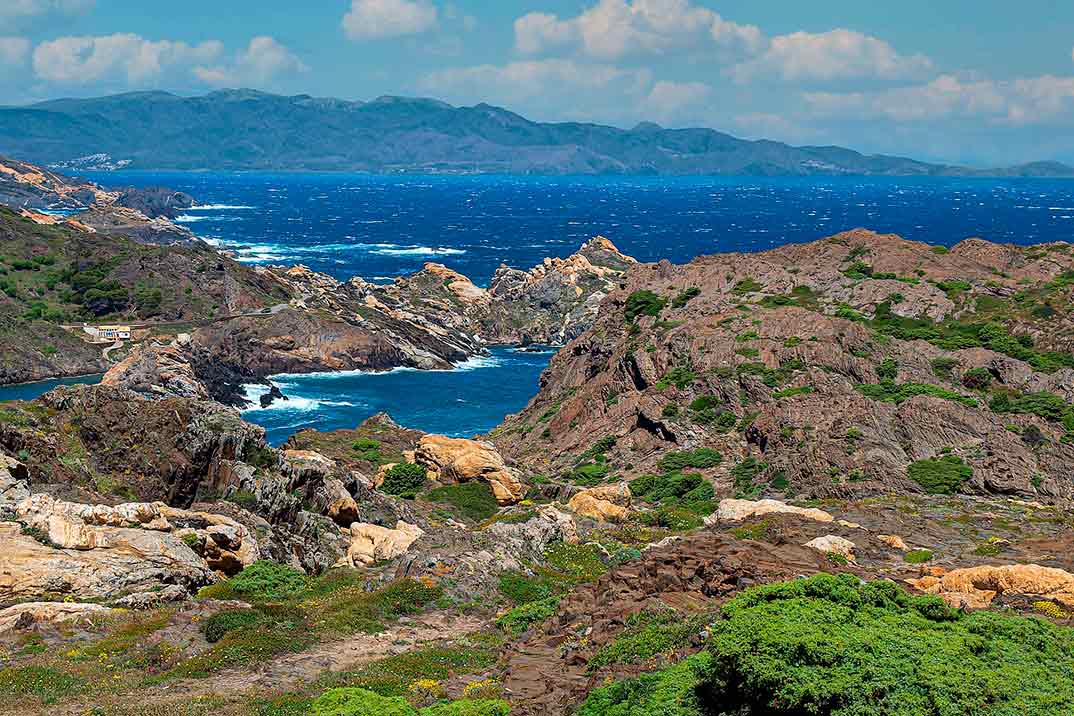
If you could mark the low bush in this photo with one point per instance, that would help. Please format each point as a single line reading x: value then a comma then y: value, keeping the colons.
x: 472, y: 500
x: 403, y: 479
x: 265, y: 581
x: 643, y: 303
x: 699, y: 459
x: 215, y: 627
x: 891, y: 392
x: 941, y: 476
x: 744, y: 473
x: 647, y: 635
x: 518, y: 620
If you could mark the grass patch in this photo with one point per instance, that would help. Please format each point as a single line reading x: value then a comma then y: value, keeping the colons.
x: 648, y: 635
x: 472, y: 500
x: 891, y: 392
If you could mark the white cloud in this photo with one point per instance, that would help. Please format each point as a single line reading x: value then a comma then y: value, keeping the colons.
x: 12, y: 10
x: 262, y: 60
x: 83, y: 60
x: 534, y: 79
x: 833, y: 55
x: 1031, y: 100
x: 13, y: 50
x: 372, y: 19
x: 616, y: 28
x: 668, y: 100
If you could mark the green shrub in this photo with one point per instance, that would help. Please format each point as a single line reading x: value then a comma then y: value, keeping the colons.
x: 700, y: 459
x: 832, y: 646
x: 468, y: 707
x: 977, y: 378
x: 403, y: 479
x: 404, y: 597
x: 941, y: 476
x: 669, y: 692
x: 747, y: 285
x: 744, y: 473
x: 518, y: 620
x: 943, y: 366
x: 918, y: 556
x: 643, y: 303
x: 890, y: 392
x: 368, y: 449
x: 473, y: 500
x: 888, y: 369
x: 647, y: 635
x: 686, y: 296
x: 359, y: 702
x: 521, y: 589
x: 680, y: 376
x: 265, y: 581
x: 215, y: 627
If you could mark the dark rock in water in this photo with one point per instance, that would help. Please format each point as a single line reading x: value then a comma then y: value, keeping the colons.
x: 273, y: 394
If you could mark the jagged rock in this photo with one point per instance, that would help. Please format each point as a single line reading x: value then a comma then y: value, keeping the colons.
x: 333, y: 501
x: 273, y: 395
x: 608, y: 503
x: 103, y: 552
x: 306, y: 466
x: 158, y: 370
x: 153, y: 600
x: 832, y: 544
x: 452, y: 460
x: 731, y: 510
x: 373, y: 543
x: 527, y: 541
x: 29, y: 614
x: 977, y: 587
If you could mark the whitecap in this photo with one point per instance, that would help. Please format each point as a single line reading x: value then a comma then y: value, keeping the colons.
x: 419, y: 251
x: 220, y: 207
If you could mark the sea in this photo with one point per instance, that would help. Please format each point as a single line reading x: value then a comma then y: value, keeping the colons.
x: 381, y: 227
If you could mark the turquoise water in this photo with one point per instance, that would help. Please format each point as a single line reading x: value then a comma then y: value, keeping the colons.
x: 472, y: 399
x: 29, y: 391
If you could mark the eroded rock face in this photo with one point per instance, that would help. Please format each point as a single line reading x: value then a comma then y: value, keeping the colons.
x: 977, y: 587
x: 97, y: 551
x: 159, y: 370
x: 731, y: 510
x: 29, y: 614
x: 373, y: 543
x: 606, y: 503
x: 452, y: 460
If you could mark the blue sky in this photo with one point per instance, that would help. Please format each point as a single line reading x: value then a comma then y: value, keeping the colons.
x: 982, y: 82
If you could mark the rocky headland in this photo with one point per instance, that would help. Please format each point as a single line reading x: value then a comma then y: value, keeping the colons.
x: 749, y: 453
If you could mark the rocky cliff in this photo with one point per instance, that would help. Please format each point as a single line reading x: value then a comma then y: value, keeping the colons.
x: 855, y: 365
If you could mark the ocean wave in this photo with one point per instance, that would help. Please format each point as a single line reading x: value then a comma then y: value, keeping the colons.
x: 220, y: 207
x: 293, y: 403
x: 193, y: 218
x: 418, y: 251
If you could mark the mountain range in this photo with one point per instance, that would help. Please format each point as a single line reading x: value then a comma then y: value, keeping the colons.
x: 250, y: 130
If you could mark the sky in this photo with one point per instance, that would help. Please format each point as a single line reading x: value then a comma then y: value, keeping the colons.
x: 985, y: 82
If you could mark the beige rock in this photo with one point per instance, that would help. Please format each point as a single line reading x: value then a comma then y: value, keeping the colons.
x: 372, y: 543
x: 894, y: 541
x: 452, y: 460
x: 339, y: 506
x: 98, y: 551
x: 30, y: 613
x: 307, y: 464
x: 607, y: 503
x: 731, y: 510
x: 829, y: 544
x: 977, y: 587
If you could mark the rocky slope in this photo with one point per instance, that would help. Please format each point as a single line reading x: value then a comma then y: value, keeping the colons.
x: 139, y: 214
x: 855, y: 365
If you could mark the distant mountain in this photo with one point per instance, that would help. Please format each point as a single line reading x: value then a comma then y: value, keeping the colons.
x: 245, y: 129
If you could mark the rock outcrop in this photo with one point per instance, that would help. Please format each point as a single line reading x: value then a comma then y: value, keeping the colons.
x: 607, y: 503
x: 731, y: 510
x: 977, y: 587
x: 454, y: 460
x: 372, y: 543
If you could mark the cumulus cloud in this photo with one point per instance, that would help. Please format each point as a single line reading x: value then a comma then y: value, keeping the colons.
x: 262, y: 60
x: 14, y: 10
x: 533, y: 79
x: 374, y: 19
x: 13, y: 50
x: 127, y: 56
x: 1021, y: 101
x: 833, y: 55
x: 668, y: 100
x: 615, y: 28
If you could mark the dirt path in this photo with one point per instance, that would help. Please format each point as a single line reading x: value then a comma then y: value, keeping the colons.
x: 293, y: 670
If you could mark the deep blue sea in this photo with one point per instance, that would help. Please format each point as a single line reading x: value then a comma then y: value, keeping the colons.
x: 381, y: 227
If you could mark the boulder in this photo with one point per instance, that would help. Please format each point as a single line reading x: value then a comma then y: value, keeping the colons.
x: 894, y: 541
x: 334, y: 501
x: 527, y: 541
x: 832, y: 544
x: 373, y: 543
x: 452, y: 460
x: 29, y: 614
x: 606, y: 503
x: 977, y: 587
x: 103, y: 552
x: 306, y: 465
x: 735, y: 510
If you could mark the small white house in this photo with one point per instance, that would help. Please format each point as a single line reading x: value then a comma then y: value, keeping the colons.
x: 109, y: 333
